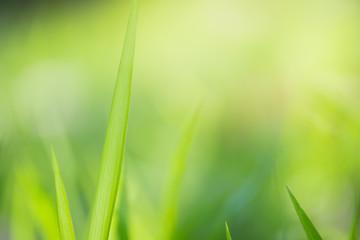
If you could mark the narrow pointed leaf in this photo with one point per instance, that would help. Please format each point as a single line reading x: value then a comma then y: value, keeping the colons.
x: 113, y: 152
x: 175, y: 177
x: 118, y: 229
x: 66, y: 228
x: 228, y: 236
x: 355, y: 223
x: 310, y: 230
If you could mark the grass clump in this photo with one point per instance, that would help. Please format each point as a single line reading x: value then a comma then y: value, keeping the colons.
x: 113, y: 152
x: 112, y: 162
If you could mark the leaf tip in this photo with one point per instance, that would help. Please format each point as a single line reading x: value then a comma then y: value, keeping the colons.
x: 54, y: 161
x: 228, y: 236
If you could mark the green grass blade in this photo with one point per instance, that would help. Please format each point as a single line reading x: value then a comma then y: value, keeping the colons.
x: 310, y: 230
x: 64, y: 217
x: 113, y: 152
x: 120, y: 213
x: 122, y: 226
x: 355, y: 223
x: 228, y: 236
x: 175, y: 177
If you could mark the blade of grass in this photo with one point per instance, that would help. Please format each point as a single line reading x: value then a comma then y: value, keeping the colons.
x: 119, y: 211
x: 355, y: 223
x: 228, y: 236
x: 73, y: 179
x: 64, y: 217
x: 113, y: 152
x: 175, y: 177
x: 122, y: 226
x: 310, y: 230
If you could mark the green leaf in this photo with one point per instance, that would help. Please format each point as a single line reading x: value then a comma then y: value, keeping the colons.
x: 113, y: 152
x: 310, y: 230
x: 175, y: 177
x: 64, y: 217
x: 228, y: 236
x: 355, y: 223
x: 119, y: 228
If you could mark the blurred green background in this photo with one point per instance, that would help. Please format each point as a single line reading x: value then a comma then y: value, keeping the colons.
x: 279, y: 82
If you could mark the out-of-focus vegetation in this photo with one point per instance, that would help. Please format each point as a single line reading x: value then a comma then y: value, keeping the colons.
x: 279, y: 82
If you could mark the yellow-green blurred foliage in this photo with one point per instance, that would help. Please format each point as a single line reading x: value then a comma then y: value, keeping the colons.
x: 280, y: 86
